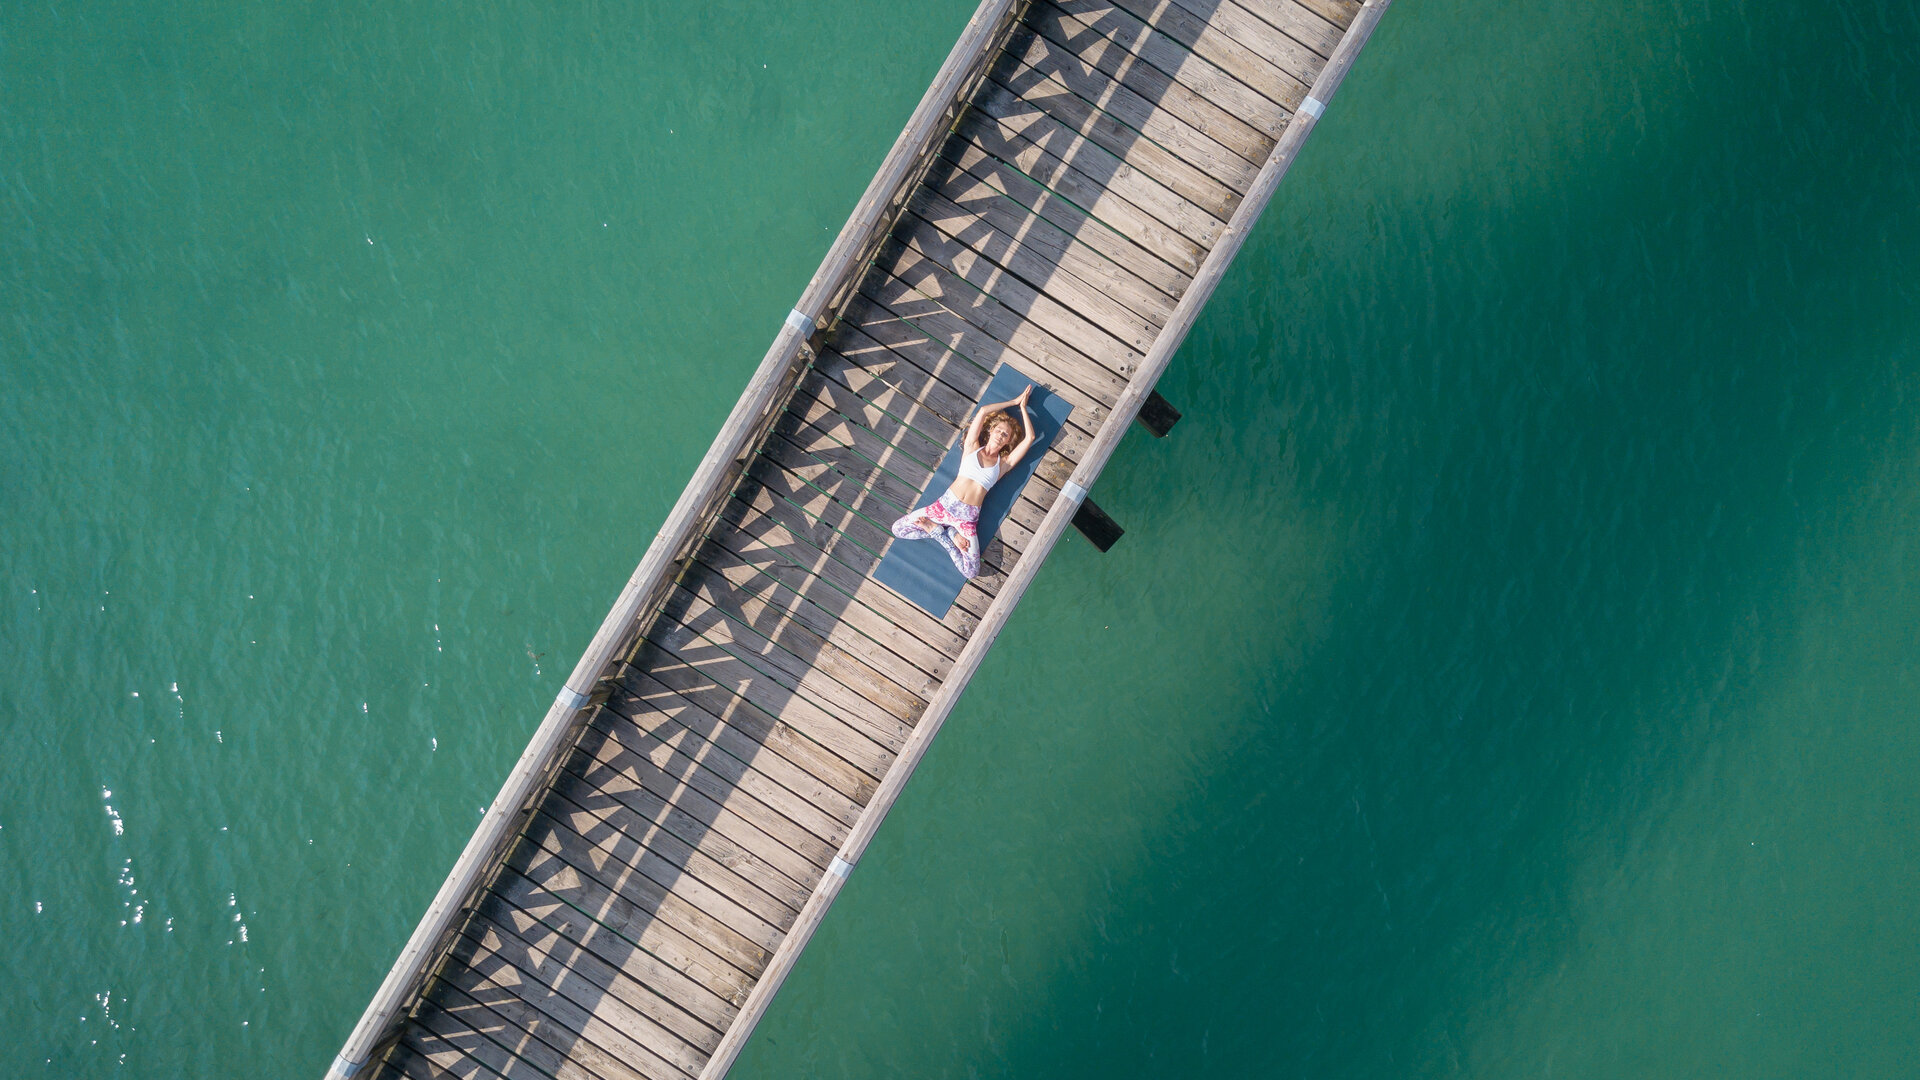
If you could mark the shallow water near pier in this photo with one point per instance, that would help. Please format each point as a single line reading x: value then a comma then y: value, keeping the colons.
x: 1508, y: 669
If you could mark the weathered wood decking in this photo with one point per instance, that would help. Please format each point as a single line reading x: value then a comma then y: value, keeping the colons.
x: 1064, y: 199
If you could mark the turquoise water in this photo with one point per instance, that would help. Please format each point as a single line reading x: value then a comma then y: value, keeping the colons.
x: 1508, y: 669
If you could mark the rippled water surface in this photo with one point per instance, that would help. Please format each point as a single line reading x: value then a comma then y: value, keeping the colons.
x: 1508, y: 670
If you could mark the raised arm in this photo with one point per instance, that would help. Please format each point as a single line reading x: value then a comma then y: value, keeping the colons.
x: 1026, y: 425
x: 973, y: 429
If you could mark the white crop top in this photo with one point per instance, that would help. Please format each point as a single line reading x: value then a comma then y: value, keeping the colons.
x: 971, y: 469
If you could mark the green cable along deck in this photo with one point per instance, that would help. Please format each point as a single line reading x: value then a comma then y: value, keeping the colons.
x: 1064, y: 199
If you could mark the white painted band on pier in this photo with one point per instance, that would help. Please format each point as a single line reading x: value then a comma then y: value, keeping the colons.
x: 1074, y: 492
x: 840, y: 868
x: 342, y: 1068
x: 1313, y: 107
x: 800, y: 321
x: 571, y: 698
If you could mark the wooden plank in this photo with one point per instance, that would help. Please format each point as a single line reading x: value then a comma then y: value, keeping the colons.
x: 803, y: 507
x: 762, y: 773
x: 710, y: 641
x: 1112, y: 192
x: 712, y: 871
x: 765, y: 758
x: 1228, y: 18
x: 766, y: 539
x: 701, y: 946
x: 676, y: 1029
x: 1085, y: 19
x: 1274, y: 83
x: 498, y: 1019
x: 546, y: 982
x: 714, y: 709
x: 899, y: 317
x: 700, y: 1004
x: 395, y: 1063
x: 482, y: 975
x: 835, y: 614
x: 784, y: 669
x: 1090, y: 153
x: 714, y: 877
x: 825, y: 513
x: 1032, y: 248
x: 1098, y: 292
x: 648, y: 862
x: 837, y: 680
x: 1286, y: 33
x: 441, y: 1026
x: 1338, y: 12
x: 914, y: 430
x: 852, y: 659
x: 1159, y: 89
x: 685, y: 759
x: 1045, y: 91
x: 422, y: 1056
x: 879, y: 437
x: 876, y: 495
x: 712, y: 665
x: 930, y: 307
x: 1227, y: 166
x: 536, y: 875
x: 870, y: 366
x: 930, y: 276
x: 702, y: 850
x: 904, y: 360
x: 1083, y: 227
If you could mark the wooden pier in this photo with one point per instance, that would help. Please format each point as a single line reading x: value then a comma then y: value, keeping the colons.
x: 1064, y: 199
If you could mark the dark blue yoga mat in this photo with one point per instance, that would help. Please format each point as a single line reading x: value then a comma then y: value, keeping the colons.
x: 921, y: 570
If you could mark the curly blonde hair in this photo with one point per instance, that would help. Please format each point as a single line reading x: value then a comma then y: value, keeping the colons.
x: 1015, y: 429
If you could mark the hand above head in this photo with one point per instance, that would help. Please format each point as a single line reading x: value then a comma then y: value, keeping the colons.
x: 1025, y: 394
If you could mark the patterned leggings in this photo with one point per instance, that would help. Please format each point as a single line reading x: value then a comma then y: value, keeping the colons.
x: 955, y: 526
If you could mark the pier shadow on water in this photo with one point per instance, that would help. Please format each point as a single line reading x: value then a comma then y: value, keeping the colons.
x: 1575, y: 438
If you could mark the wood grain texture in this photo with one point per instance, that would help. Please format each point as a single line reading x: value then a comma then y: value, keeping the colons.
x: 1122, y: 62
x: 1114, y: 194
x: 1153, y: 117
x: 1083, y: 20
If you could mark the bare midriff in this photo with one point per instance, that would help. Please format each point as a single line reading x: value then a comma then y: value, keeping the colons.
x: 968, y: 491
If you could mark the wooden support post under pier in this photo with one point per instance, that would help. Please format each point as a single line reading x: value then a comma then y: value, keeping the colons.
x: 1158, y: 415
x: 1096, y: 526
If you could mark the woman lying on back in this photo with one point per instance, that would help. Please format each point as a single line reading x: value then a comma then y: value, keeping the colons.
x: 995, y: 443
